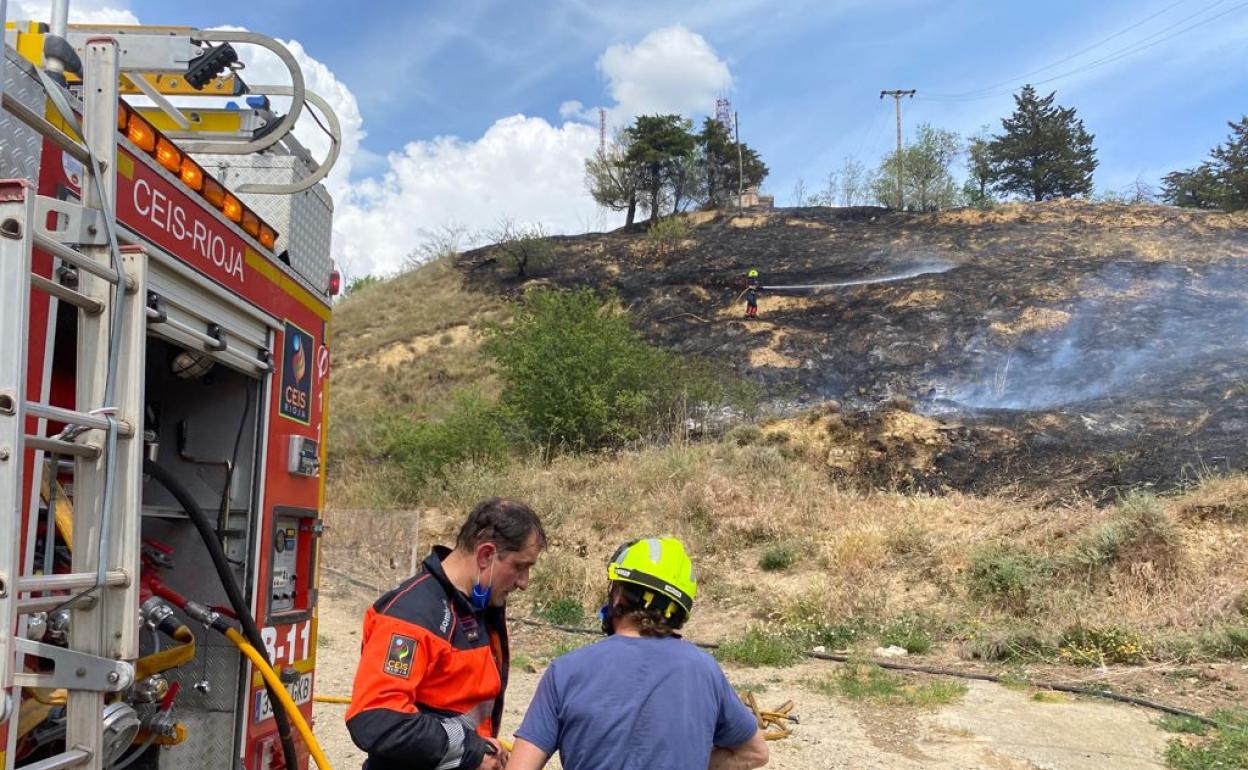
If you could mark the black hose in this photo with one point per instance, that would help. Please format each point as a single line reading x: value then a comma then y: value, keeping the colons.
x: 222, y: 565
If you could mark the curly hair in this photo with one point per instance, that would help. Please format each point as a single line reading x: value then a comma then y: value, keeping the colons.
x: 624, y: 602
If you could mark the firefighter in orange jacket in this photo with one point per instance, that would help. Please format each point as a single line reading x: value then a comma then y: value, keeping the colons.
x: 429, y: 687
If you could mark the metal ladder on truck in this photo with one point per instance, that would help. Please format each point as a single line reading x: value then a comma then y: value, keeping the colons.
x: 103, y: 433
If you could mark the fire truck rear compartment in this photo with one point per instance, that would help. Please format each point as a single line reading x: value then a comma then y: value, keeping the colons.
x: 201, y: 426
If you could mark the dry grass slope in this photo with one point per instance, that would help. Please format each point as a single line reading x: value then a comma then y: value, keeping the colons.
x: 865, y: 556
x: 401, y: 347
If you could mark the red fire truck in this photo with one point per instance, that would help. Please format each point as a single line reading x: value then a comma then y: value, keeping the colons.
x: 165, y: 290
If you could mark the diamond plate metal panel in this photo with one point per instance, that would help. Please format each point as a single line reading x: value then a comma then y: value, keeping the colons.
x: 209, y: 743
x: 215, y: 663
x: 303, y: 220
x: 21, y: 145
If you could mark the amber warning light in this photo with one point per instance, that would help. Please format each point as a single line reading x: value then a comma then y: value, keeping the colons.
x: 145, y: 137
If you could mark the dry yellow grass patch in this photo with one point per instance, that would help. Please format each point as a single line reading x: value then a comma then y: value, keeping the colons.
x: 1030, y: 321
x: 755, y: 221
x: 699, y: 218
x: 806, y: 223
x: 767, y: 303
x: 920, y: 298
x: 400, y: 353
x: 771, y: 357
x: 860, y: 554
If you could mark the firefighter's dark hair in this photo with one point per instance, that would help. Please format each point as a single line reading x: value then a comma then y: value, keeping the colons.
x: 624, y: 601
x: 502, y: 521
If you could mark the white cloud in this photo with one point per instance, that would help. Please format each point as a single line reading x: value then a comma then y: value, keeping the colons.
x: 522, y: 168
x: 672, y: 70
x: 80, y: 12
x: 264, y: 68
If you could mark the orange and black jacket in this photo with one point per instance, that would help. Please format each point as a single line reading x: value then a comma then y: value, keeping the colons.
x: 431, y: 677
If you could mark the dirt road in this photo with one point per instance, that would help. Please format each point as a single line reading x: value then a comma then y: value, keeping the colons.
x: 990, y: 728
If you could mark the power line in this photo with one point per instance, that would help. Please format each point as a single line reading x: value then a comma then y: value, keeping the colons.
x: 1136, y: 47
x: 1074, y: 55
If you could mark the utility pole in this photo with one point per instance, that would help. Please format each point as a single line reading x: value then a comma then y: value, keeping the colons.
x: 897, y: 94
x: 736, y: 125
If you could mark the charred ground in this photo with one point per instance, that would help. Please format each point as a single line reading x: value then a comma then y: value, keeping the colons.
x: 1065, y: 347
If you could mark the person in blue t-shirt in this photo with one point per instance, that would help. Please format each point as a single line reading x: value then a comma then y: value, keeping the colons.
x: 643, y: 698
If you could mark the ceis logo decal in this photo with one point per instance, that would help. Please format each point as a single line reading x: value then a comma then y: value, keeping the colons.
x: 399, y: 656
x: 297, y: 351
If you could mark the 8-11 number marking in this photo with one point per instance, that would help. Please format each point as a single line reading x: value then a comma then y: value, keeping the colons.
x: 296, y: 646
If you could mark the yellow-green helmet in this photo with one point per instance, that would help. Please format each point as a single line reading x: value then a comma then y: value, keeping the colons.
x: 657, y: 564
x: 753, y: 274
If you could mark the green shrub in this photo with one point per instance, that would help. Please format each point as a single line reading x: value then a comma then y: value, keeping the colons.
x: 745, y: 435
x: 562, y: 612
x: 1226, y: 750
x: 909, y: 632
x: 780, y: 556
x: 1173, y: 723
x: 1099, y: 646
x: 759, y: 648
x: 1229, y: 642
x: 1008, y: 577
x: 557, y: 587
x: 804, y: 620
x: 564, y: 646
x: 1139, y: 532
x: 473, y: 431
x: 910, y: 541
x: 577, y: 375
x: 360, y: 283
x: 666, y: 235
x: 859, y: 681
x: 1011, y: 643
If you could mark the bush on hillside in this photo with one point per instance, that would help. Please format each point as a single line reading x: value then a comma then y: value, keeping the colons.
x: 667, y: 234
x: 578, y: 376
x: 1139, y: 534
x: 1008, y: 577
x: 473, y: 431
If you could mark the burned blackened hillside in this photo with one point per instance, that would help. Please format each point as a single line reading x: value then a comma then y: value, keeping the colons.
x: 1062, y: 345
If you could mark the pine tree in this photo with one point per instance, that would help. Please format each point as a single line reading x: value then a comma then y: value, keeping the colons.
x: 1230, y: 164
x: 1220, y: 182
x: 719, y: 163
x: 1044, y: 151
x: 659, y: 144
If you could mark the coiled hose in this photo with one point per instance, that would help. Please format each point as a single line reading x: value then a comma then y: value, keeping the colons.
x: 232, y: 591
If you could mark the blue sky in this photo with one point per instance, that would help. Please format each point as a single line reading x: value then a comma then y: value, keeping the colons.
x: 432, y: 81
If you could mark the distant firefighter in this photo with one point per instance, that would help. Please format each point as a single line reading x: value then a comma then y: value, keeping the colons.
x: 752, y: 288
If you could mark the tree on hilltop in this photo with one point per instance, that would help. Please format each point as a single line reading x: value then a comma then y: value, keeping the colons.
x: 659, y: 145
x: 1044, y: 151
x: 1220, y: 182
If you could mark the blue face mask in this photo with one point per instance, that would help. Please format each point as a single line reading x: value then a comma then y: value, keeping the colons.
x: 480, y: 597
